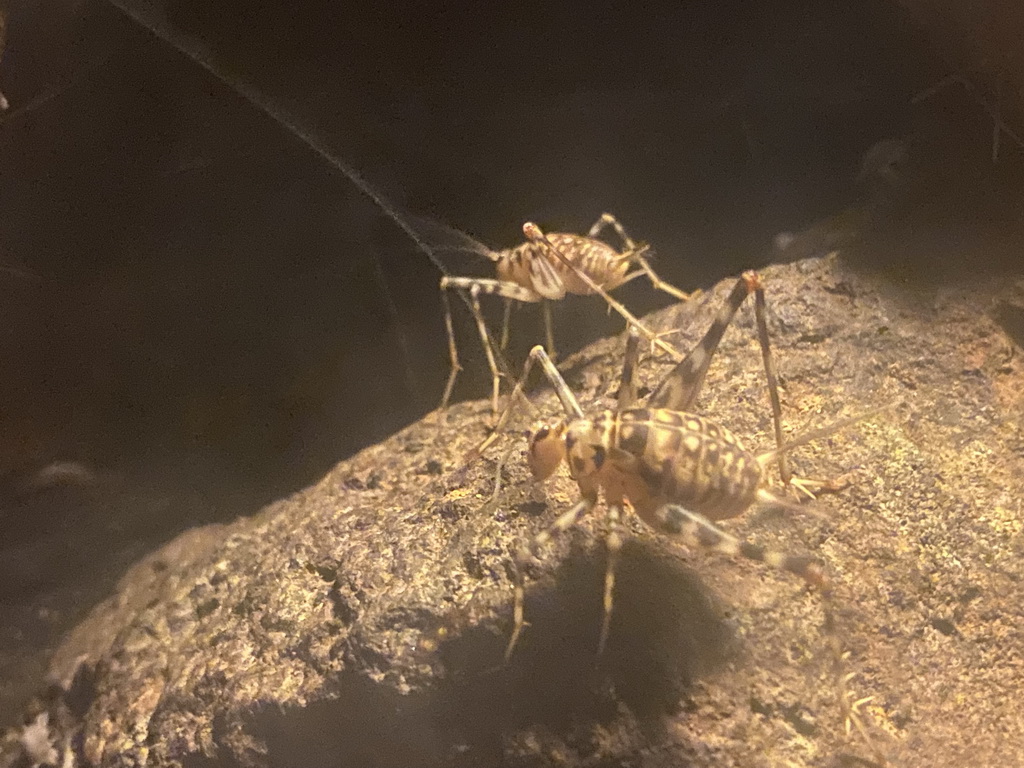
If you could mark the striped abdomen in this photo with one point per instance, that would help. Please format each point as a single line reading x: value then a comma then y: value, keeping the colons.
x: 662, y: 457
x: 602, y: 263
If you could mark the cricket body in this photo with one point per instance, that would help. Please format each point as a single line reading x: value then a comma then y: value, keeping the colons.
x: 678, y: 471
x: 602, y: 263
x: 546, y: 268
x: 653, y: 458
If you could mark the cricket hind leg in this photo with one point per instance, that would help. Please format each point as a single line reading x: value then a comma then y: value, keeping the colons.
x: 806, y: 486
x: 656, y: 282
x: 680, y: 388
x: 698, y: 530
x: 636, y: 255
x: 771, y: 374
x: 608, y: 220
x: 627, y: 395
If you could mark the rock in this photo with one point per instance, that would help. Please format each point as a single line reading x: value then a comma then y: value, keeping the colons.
x: 363, y: 620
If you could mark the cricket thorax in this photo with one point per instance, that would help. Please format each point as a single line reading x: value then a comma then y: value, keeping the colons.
x: 656, y: 456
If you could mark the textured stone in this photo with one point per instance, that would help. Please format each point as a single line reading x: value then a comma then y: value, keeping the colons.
x: 363, y: 620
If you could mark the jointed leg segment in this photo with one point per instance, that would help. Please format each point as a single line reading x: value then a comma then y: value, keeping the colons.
x: 565, y: 396
x: 636, y: 254
x: 564, y: 522
x: 496, y: 363
x: 627, y: 383
x: 700, y: 531
x: 614, y: 539
x: 607, y: 220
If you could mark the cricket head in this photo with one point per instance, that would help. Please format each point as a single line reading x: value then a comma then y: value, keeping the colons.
x: 546, y: 448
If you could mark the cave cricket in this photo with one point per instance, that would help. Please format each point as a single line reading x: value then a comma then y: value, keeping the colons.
x: 679, y: 472
x: 526, y: 273
x: 546, y: 268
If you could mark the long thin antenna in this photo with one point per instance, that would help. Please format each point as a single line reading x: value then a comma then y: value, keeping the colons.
x: 153, y: 20
x: 145, y: 15
x: 819, y: 433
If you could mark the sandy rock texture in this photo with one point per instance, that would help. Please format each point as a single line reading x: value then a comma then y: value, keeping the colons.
x: 362, y: 621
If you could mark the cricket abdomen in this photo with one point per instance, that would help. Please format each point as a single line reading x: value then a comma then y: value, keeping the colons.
x: 672, y: 457
x: 602, y: 263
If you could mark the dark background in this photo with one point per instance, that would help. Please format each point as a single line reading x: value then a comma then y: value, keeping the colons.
x: 212, y: 315
x: 208, y: 285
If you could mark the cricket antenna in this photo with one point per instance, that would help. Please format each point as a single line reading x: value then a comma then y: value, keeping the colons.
x: 817, y: 434
x: 145, y: 15
x: 151, y: 18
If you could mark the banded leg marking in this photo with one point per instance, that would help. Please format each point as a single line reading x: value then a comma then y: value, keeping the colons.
x: 453, y: 358
x: 495, y: 361
x: 608, y: 220
x: 506, y: 323
x: 613, y: 544
x: 636, y: 255
x: 680, y: 388
x: 525, y: 553
x: 700, y: 531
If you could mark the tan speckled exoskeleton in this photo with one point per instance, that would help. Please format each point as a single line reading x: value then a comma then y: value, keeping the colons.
x: 678, y: 471
x: 543, y: 269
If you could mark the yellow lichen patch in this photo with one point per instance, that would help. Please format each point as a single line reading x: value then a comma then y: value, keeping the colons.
x: 1004, y: 521
x: 812, y: 402
x: 458, y: 493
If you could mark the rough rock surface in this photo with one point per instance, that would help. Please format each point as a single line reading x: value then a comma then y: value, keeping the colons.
x: 362, y: 621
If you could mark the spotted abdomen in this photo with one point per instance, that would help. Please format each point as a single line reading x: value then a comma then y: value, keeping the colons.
x: 673, y: 457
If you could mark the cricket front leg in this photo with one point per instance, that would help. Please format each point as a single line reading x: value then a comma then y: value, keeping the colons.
x: 495, y: 361
x: 527, y: 553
